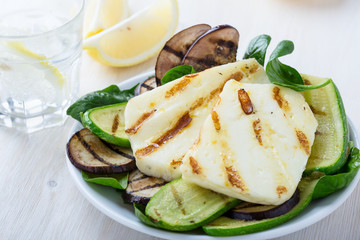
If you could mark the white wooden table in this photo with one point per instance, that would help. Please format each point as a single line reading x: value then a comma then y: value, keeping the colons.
x: 38, y: 198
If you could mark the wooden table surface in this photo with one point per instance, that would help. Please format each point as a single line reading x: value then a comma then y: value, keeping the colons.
x: 38, y: 198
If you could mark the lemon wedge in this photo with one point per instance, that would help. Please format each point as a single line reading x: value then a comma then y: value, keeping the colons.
x: 103, y: 14
x: 137, y: 38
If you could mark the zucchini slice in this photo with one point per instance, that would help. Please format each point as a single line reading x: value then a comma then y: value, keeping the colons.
x: 225, y: 226
x: 183, y: 206
x: 108, y: 123
x: 330, y: 148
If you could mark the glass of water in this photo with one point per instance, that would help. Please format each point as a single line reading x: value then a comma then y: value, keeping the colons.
x: 40, y: 49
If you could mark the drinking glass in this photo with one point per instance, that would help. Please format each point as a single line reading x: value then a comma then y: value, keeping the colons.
x: 40, y: 49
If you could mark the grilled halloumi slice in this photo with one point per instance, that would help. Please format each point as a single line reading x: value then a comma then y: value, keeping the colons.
x: 254, y: 145
x: 163, y: 123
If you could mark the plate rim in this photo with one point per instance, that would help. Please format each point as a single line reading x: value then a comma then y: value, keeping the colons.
x: 292, y: 226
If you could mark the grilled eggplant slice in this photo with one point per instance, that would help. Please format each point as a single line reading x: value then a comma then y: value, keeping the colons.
x: 88, y: 153
x: 174, y: 50
x: 250, y: 211
x: 215, y: 47
x: 147, y: 85
x: 141, y: 187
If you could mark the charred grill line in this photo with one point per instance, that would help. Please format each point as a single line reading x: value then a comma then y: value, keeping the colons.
x: 257, y: 130
x: 304, y: 142
x: 283, y: 104
x: 115, y: 124
x: 179, y: 126
x: 147, y: 86
x: 180, y: 86
x: 139, y: 122
x: 148, y: 187
x: 87, y: 147
x: 119, y: 152
x: 215, y: 119
x: 173, y: 51
x: 234, y: 178
x: 194, y: 165
x: 138, y: 179
x: 177, y: 198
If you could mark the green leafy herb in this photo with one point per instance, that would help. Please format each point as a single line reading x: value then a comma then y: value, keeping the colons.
x: 118, y: 181
x: 177, y: 72
x: 107, y: 96
x: 331, y: 183
x: 257, y: 48
x: 284, y: 75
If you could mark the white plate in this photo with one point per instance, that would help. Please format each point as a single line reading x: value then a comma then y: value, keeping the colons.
x: 109, y: 201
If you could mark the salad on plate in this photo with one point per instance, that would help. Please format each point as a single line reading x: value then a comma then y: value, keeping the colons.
x: 209, y: 142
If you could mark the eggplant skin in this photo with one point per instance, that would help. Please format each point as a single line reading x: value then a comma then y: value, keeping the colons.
x: 88, y: 153
x: 270, y: 213
x: 175, y: 49
x: 215, y: 47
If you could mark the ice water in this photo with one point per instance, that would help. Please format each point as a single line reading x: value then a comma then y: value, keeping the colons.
x: 39, y: 67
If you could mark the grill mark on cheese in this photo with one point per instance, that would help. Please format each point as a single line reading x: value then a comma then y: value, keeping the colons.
x: 194, y: 165
x: 283, y: 104
x: 140, y: 122
x: 238, y: 76
x: 215, y: 119
x: 180, y: 125
x: 184, y: 120
x: 281, y: 190
x: 257, y: 130
x: 317, y: 112
x: 250, y: 69
x: 200, y: 101
x: 177, y: 198
x: 245, y: 101
x: 234, y: 178
x: 304, y: 142
x: 115, y: 124
x: 176, y: 163
x: 180, y: 86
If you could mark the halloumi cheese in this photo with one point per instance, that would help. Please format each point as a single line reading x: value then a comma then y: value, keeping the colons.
x: 254, y: 145
x: 163, y: 123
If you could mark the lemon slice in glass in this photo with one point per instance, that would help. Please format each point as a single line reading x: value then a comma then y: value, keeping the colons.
x: 136, y: 38
x: 103, y: 14
x: 33, y: 72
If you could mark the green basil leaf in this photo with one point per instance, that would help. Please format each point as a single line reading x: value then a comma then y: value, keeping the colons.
x: 257, y: 48
x: 177, y: 72
x: 284, y: 75
x: 285, y: 47
x: 107, y: 96
x: 118, y: 180
x: 331, y: 183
